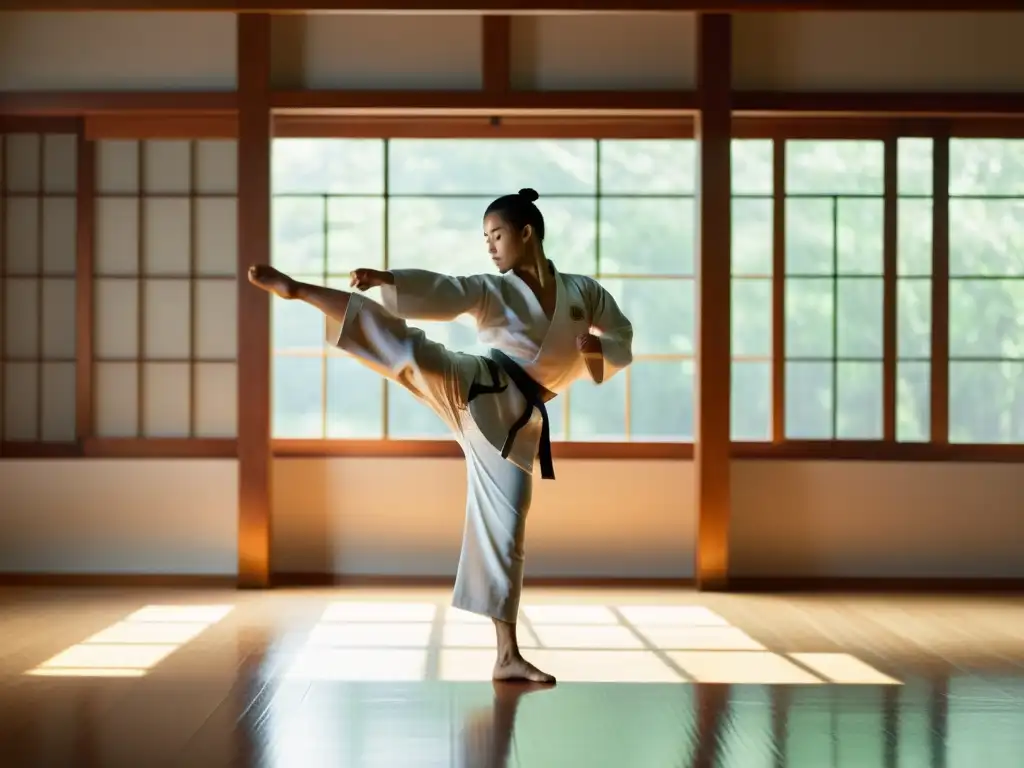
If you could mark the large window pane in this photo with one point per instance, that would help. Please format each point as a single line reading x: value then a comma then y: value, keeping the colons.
x: 986, y: 402
x: 913, y: 317
x: 355, y: 234
x: 298, y: 244
x: 661, y: 400
x: 598, y: 412
x: 986, y: 167
x: 860, y: 233
x: 840, y: 167
x: 986, y: 318
x: 298, y: 396
x: 648, y: 167
x: 859, y: 401
x: 355, y: 406
x: 810, y: 236
x: 810, y: 316
x: 914, y: 166
x: 661, y: 312
x: 859, y: 317
x: 328, y: 166
x: 751, y: 400
x: 647, y: 236
x: 752, y: 167
x: 809, y: 400
x: 913, y: 401
x: 914, y: 238
x: 490, y: 168
x: 333, y: 212
x: 986, y: 238
x: 752, y: 317
x: 752, y: 236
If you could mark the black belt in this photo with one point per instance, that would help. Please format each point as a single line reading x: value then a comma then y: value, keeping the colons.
x: 536, y: 396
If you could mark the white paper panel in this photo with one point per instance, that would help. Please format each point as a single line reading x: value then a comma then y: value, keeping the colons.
x: 168, y: 320
x: 59, y: 318
x: 166, y: 167
x: 60, y: 163
x: 21, y: 401
x: 117, y: 236
x: 21, y: 317
x: 116, y: 314
x: 22, y: 232
x: 23, y: 164
x: 216, y: 406
x: 216, y: 166
x: 58, y: 402
x: 216, y: 235
x: 117, y: 399
x: 166, y: 239
x: 216, y: 319
x: 117, y: 167
x: 60, y: 237
x: 165, y: 387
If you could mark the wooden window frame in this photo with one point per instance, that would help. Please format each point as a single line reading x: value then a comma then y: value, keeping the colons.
x: 200, y: 116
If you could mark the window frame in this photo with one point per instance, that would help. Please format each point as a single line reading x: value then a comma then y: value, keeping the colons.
x: 782, y: 126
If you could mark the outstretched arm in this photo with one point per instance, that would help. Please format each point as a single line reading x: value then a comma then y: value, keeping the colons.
x: 611, y: 349
x: 417, y: 294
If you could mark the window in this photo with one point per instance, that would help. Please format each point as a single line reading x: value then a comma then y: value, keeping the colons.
x: 752, y: 259
x: 986, y: 291
x: 165, y: 289
x: 621, y: 211
x: 833, y: 299
x: 914, y: 289
x: 37, y: 278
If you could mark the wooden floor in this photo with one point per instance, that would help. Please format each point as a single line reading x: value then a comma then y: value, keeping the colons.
x: 307, y: 678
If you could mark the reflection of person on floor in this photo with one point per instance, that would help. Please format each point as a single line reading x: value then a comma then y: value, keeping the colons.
x: 540, y: 326
x: 486, y: 734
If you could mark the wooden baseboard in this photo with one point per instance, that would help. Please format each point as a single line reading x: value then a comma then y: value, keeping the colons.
x: 781, y: 584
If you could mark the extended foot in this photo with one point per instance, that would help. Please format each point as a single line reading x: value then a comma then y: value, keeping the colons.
x: 518, y: 668
x: 272, y: 280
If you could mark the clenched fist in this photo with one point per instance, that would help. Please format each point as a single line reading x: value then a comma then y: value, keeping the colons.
x: 589, y: 344
x: 364, y: 279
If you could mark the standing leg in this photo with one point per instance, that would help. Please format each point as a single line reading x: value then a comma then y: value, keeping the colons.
x: 490, y: 576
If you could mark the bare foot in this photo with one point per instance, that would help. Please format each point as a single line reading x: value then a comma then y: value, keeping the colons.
x: 518, y: 668
x: 272, y: 280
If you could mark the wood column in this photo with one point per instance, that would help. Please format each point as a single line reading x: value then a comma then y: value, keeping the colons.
x: 254, y: 457
x: 713, y: 259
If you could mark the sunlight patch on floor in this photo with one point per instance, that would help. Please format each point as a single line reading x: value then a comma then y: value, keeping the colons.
x: 374, y: 641
x: 133, y: 646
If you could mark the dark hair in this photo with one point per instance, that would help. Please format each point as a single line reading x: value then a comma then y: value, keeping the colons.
x: 518, y: 210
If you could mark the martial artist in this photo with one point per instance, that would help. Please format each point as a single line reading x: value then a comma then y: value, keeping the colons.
x: 545, y: 329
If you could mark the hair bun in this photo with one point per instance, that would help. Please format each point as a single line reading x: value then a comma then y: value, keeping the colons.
x: 529, y: 194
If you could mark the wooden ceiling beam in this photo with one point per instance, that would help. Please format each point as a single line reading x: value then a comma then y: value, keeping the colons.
x: 507, y: 6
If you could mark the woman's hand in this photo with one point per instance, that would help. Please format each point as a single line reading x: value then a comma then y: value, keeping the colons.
x: 364, y: 279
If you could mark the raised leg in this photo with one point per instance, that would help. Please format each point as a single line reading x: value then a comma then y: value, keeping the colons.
x: 510, y: 664
x: 330, y: 301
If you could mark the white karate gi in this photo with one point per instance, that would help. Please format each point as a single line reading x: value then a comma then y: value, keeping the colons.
x: 509, y: 318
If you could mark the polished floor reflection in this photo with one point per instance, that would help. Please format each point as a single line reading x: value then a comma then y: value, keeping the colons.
x: 397, y: 678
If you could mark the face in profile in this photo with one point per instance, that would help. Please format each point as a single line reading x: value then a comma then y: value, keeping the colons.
x: 505, y: 245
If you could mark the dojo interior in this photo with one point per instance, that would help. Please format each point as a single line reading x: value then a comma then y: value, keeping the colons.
x: 189, y: 480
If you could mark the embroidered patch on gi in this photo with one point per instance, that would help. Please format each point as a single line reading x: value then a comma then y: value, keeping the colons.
x: 576, y: 313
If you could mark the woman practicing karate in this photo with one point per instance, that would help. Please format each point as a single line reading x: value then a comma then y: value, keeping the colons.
x: 540, y: 326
